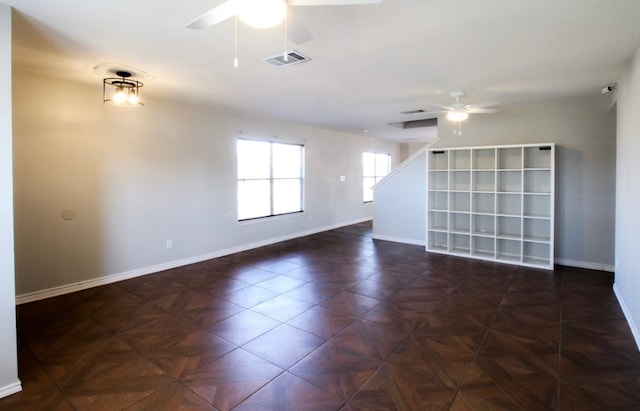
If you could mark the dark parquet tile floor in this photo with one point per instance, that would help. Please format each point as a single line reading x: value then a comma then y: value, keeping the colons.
x: 332, y: 321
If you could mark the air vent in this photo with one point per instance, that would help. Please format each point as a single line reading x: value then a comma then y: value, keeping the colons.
x: 413, y: 111
x: 427, y: 122
x: 293, y: 57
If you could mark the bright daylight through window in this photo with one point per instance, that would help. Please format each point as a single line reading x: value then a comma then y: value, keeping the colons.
x: 374, y: 167
x: 270, y: 178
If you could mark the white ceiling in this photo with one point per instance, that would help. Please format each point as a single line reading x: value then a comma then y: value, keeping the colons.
x: 369, y: 62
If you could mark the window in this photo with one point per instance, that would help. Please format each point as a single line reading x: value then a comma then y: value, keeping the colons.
x: 270, y: 178
x: 374, y: 168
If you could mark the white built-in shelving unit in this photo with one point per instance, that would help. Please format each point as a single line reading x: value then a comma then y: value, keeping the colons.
x: 493, y: 203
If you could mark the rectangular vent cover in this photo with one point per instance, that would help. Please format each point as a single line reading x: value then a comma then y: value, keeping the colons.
x: 293, y: 57
x: 427, y: 122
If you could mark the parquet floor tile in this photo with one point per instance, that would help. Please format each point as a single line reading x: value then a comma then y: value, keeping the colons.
x: 249, y: 296
x: 179, y: 354
x: 230, y: 379
x: 284, y: 345
x: 371, y: 339
x: 395, y: 387
x: 281, y: 283
x: 446, y: 359
x: 243, y: 327
x: 323, y: 321
x: 337, y: 369
x: 282, y: 307
x: 173, y: 397
x: 351, y: 303
x: 290, y: 393
x: 332, y: 321
x: 314, y: 292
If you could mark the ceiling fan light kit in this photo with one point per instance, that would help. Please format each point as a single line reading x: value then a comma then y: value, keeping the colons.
x: 121, y: 91
x: 457, y: 115
x: 459, y: 112
x: 261, y: 14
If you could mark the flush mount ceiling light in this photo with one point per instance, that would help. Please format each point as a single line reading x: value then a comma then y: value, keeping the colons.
x: 121, y: 91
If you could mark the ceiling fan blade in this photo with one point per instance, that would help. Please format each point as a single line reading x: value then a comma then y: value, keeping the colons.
x: 331, y: 2
x: 485, y: 104
x: 480, y: 110
x: 296, y: 30
x: 439, y: 108
x: 214, y: 16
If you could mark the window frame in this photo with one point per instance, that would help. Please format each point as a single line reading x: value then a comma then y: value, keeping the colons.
x: 271, y: 179
x: 376, y: 177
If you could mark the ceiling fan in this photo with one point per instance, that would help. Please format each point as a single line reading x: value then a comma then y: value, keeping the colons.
x: 458, y: 112
x: 268, y: 13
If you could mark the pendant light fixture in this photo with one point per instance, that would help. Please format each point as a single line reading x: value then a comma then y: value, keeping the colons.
x: 121, y: 91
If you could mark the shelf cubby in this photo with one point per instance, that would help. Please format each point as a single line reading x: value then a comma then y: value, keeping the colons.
x: 509, y: 204
x: 460, y: 201
x: 459, y: 243
x: 460, y: 159
x: 483, y: 247
x: 509, y: 227
x: 460, y: 222
x: 484, y: 225
x: 510, y: 158
x: 460, y: 180
x: 438, y: 220
x: 438, y: 200
x: 536, y: 253
x: 484, y: 159
x: 537, y: 181
x: 537, y: 205
x: 538, y: 157
x: 510, y: 181
x: 509, y: 250
x: 484, y: 203
x: 484, y: 181
x: 437, y: 241
x: 536, y: 229
x: 439, y: 180
x: 438, y: 160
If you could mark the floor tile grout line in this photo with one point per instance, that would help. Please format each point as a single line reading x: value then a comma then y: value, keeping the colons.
x: 482, y: 342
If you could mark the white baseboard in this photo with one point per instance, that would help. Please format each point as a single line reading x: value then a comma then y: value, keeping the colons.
x: 108, y: 279
x: 627, y: 314
x: 7, y: 390
x: 98, y: 281
x: 585, y: 264
x: 399, y: 240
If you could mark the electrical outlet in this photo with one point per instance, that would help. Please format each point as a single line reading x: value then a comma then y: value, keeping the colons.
x: 169, y: 243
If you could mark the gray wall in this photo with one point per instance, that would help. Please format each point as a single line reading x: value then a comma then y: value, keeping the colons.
x: 137, y: 177
x: 9, y: 382
x: 584, y: 132
x: 399, y: 203
x: 627, y: 284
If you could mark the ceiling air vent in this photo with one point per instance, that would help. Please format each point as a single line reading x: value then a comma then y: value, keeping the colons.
x: 293, y: 57
x: 413, y: 111
x: 427, y: 122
